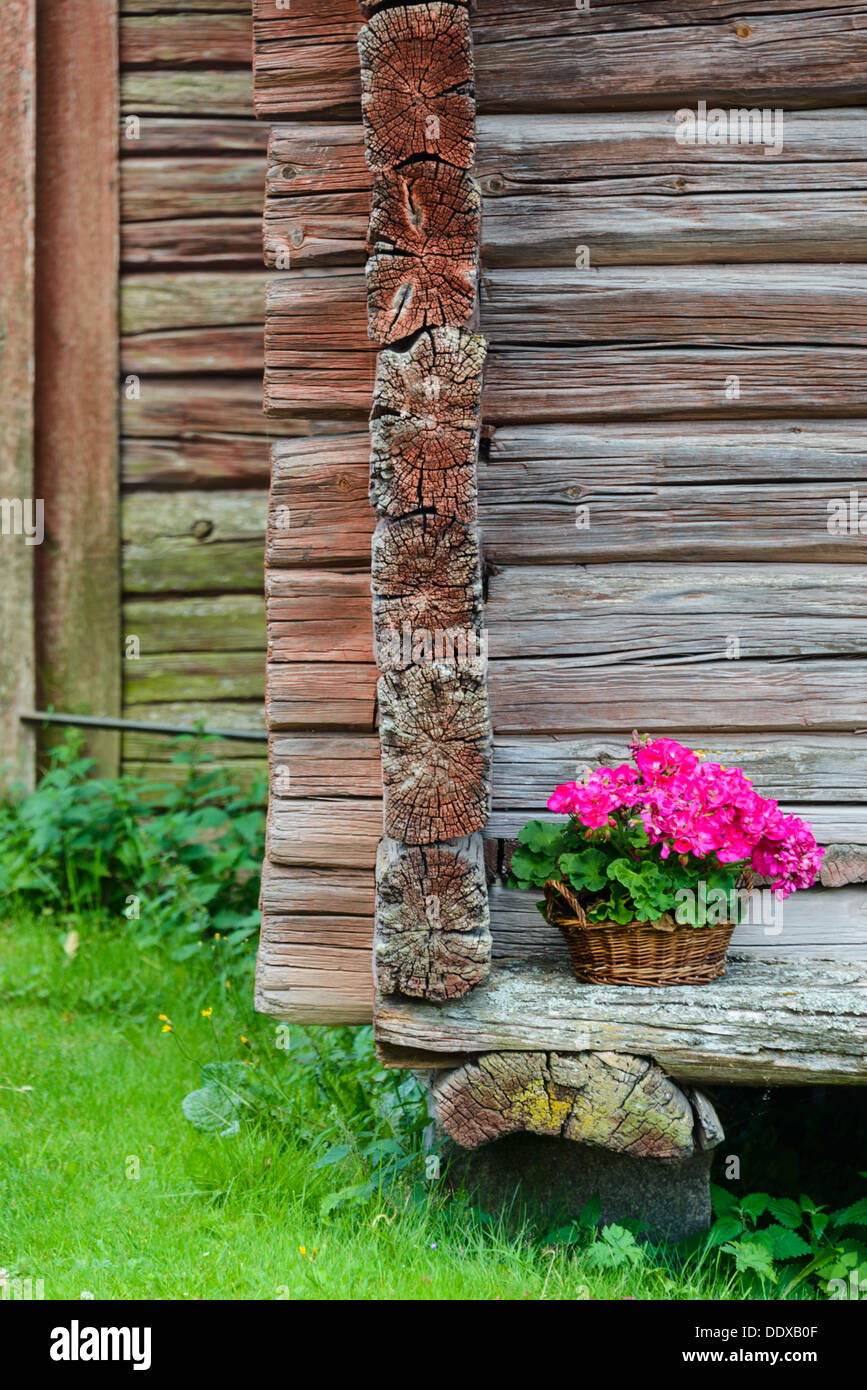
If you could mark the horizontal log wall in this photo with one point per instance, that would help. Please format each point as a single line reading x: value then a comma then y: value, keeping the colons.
x: 671, y: 432
x: 194, y: 452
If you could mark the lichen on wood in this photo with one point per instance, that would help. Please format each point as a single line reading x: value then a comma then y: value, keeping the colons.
x: 611, y: 1100
x: 432, y: 936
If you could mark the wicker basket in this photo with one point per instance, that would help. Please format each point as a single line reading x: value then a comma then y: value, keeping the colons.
x: 639, y: 953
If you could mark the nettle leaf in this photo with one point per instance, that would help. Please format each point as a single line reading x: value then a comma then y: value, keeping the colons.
x: 755, y: 1204
x: 852, y: 1216
x: 585, y: 870
x: 752, y: 1255
x: 722, y: 1201
x: 615, y: 1248
x: 787, y: 1212
x: 786, y: 1244
x: 725, y: 1228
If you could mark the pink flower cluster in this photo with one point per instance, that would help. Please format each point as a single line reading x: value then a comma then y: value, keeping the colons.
x: 693, y: 807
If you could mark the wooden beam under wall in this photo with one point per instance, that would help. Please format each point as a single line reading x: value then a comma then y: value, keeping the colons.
x: 17, y: 491
x: 78, y: 568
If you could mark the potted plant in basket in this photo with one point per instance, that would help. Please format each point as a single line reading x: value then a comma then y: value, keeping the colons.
x: 651, y: 873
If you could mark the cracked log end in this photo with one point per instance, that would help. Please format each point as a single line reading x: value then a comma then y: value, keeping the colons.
x: 436, y: 751
x: 425, y: 425
x: 416, y: 80
x: 432, y: 937
x: 427, y: 592
x: 611, y: 1100
x: 423, y: 238
x: 842, y: 864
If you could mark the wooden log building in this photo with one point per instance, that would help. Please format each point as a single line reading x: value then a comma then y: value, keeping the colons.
x: 590, y: 303
x: 564, y: 311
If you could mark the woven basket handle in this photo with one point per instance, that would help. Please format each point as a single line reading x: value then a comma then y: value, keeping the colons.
x: 554, y: 886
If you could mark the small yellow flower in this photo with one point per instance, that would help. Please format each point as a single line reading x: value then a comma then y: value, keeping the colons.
x: 302, y: 1249
x: 166, y: 1028
x: 245, y: 1040
x: 206, y: 1013
x: 217, y: 936
x: 228, y: 984
x: 163, y: 1018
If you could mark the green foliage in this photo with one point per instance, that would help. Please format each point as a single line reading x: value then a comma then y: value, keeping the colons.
x: 175, y: 863
x: 360, y: 1122
x: 620, y: 877
x: 779, y: 1245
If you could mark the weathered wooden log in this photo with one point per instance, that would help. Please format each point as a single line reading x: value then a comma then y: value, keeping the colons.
x: 416, y: 80
x: 424, y: 240
x: 610, y: 1100
x: 427, y: 592
x: 582, y: 156
x: 425, y: 425
x: 553, y: 57
x: 771, y: 1020
x: 320, y: 695
x: 435, y: 733
x: 729, y: 694
x: 844, y: 864
x: 432, y: 934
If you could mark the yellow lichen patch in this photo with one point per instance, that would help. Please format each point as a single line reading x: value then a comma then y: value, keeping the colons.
x: 540, y: 1110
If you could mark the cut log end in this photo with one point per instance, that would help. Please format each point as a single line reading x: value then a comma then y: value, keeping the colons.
x: 425, y: 425
x: 416, y: 80
x: 427, y: 592
x: 433, y: 938
x: 610, y: 1100
x: 423, y: 238
x: 436, y: 751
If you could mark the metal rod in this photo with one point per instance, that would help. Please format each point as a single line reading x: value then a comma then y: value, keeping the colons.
x: 142, y: 726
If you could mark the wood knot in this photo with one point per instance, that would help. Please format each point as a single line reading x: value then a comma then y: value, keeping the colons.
x: 201, y: 529
x: 287, y: 172
x: 296, y: 236
x: 743, y: 31
x: 494, y: 185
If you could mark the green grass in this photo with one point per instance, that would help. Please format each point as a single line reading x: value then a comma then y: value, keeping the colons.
x: 91, y: 1097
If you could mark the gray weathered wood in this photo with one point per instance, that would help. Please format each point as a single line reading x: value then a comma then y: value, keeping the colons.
x: 555, y: 58
x: 677, y: 612
x: 797, y: 768
x: 766, y: 1022
x: 193, y: 541
x: 753, y: 695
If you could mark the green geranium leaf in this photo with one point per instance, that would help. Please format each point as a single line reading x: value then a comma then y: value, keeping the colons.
x: 543, y: 837
x: 586, y: 870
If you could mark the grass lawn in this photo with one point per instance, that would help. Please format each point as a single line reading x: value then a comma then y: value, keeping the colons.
x: 106, y: 1189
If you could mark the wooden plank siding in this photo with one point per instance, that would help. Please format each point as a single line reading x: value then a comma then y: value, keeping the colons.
x: 194, y: 447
